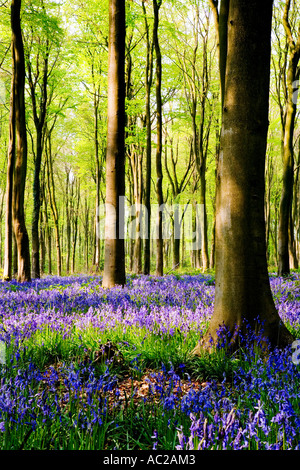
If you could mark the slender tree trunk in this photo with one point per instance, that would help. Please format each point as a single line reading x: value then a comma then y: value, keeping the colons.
x: 286, y: 202
x: 19, y: 225
x: 178, y: 185
x: 136, y: 165
x: 196, y: 222
x: 39, y: 121
x: 42, y: 244
x: 53, y: 206
x: 268, y: 179
x: 292, y: 244
x: 114, y: 262
x: 36, y: 210
x: 242, y: 283
x: 1, y: 220
x: 49, y: 238
x: 46, y: 222
x: 75, y: 224
x: 287, y: 193
x: 177, y: 235
x: 148, y: 84
x: 42, y: 224
x: 213, y: 238
x: 68, y: 222
x: 98, y: 175
x: 203, y: 147
x: 296, y: 208
x: 86, y: 219
x: 203, y: 218
x: 159, y: 174
x: 15, y: 257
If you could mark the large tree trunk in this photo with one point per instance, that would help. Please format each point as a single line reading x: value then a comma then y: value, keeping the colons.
x: 114, y: 262
x: 8, y: 252
x: 242, y: 284
x: 19, y: 225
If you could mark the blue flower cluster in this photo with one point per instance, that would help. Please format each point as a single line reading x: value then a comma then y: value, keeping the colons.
x: 81, y: 302
x: 68, y: 398
x: 257, y: 407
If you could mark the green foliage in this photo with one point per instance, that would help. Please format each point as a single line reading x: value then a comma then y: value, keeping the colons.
x: 74, y: 37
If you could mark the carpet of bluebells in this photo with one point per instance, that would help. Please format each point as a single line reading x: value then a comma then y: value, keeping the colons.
x: 68, y: 346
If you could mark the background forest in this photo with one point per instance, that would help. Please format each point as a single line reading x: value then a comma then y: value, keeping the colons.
x: 66, y: 55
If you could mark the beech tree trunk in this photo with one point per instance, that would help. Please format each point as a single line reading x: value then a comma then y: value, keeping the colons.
x: 19, y: 225
x: 220, y: 20
x: 136, y: 159
x: 285, y: 227
x: 98, y: 170
x: 114, y: 258
x: 52, y: 200
x: 39, y: 110
x: 242, y: 283
x: 159, y: 174
x: 203, y: 217
x: 287, y: 193
x: 75, y: 214
x: 8, y: 251
x: 68, y: 221
x: 148, y: 84
x: 42, y: 224
x: 178, y: 185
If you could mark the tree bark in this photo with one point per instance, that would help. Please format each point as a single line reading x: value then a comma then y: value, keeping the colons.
x: 296, y: 208
x: 68, y: 221
x: 98, y: 169
x: 39, y: 117
x: 148, y: 84
x: 8, y: 252
x: 220, y: 20
x: 159, y: 174
x: 51, y: 194
x: 136, y: 159
x: 178, y: 186
x: 286, y: 202
x: 75, y: 213
x: 42, y: 224
x: 19, y: 225
x: 114, y: 262
x: 243, y: 291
